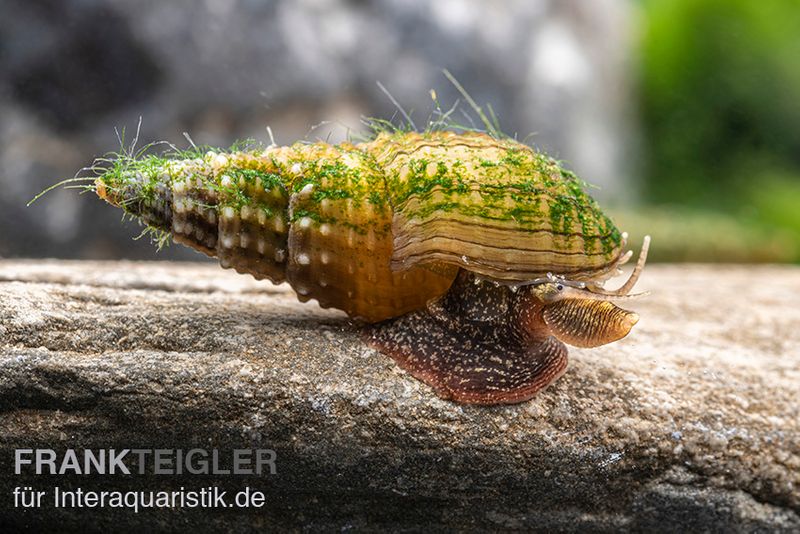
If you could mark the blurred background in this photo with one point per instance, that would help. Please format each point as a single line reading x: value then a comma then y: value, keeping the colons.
x: 684, y: 114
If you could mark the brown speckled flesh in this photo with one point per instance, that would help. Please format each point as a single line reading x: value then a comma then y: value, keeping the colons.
x: 471, y: 347
x: 381, y: 229
x: 487, y: 344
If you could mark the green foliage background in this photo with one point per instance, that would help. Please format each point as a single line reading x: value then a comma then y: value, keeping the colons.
x: 720, y: 108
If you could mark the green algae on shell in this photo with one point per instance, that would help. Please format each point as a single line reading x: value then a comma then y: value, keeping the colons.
x: 447, y: 241
x: 492, y: 206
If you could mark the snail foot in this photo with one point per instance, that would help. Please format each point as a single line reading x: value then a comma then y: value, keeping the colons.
x: 467, y: 345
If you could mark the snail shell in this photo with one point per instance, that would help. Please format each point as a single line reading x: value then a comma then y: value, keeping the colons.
x: 376, y: 229
x: 476, y: 258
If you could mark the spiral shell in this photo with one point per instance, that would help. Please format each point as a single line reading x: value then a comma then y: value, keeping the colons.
x: 376, y: 229
x: 475, y: 258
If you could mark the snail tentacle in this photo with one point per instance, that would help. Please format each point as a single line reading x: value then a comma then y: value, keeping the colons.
x: 625, y: 258
x: 594, y: 290
x: 634, y: 277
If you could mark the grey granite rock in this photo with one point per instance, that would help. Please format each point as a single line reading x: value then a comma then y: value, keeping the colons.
x: 692, y: 422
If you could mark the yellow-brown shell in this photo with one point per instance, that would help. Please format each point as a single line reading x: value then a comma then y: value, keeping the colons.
x: 376, y: 229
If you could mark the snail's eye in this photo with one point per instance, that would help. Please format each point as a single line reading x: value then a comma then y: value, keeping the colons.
x: 560, y: 287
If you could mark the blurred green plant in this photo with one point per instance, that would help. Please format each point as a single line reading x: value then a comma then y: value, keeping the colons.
x: 720, y: 103
x: 690, y: 235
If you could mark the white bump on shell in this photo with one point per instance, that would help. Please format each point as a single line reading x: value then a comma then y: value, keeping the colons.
x: 220, y: 161
x: 431, y: 169
x: 302, y: 290
x: 245, y: 212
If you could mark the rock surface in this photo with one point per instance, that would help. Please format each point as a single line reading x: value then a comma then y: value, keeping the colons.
x: 692, y: 422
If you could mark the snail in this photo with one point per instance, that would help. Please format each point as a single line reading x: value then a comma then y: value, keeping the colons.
x: 471, y: 259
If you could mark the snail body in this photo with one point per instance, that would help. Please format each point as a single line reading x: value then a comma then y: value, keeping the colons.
x: 390, y: 230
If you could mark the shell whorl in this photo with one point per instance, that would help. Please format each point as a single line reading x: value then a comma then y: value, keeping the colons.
x: 380, y: 228
x: 494, y: 207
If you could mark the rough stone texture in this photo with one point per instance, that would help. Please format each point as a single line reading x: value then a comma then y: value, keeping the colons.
x: 692, y: 422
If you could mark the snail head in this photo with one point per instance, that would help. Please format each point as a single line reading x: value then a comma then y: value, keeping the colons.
x: 574, y: 315
x: 555, y: 291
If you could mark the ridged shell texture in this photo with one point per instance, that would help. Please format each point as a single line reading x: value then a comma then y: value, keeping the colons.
x: 376, y: 229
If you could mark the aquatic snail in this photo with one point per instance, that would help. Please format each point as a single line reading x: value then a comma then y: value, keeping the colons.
x: 472, y: 259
